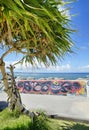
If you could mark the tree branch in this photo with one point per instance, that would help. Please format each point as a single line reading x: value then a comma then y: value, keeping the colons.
x: 7, y: 52
x: 18, y: 62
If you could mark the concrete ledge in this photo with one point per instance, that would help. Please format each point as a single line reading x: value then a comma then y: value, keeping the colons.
x: 68, y: 118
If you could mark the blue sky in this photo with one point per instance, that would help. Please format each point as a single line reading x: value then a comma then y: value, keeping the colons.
x: 78, y: 61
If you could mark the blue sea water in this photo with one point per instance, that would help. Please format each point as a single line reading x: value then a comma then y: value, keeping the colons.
x: 67, y: 76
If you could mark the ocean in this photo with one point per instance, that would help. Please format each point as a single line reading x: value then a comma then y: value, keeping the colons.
x: 66, y: 76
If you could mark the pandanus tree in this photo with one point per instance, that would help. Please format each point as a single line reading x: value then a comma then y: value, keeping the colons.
x: 36, y: 29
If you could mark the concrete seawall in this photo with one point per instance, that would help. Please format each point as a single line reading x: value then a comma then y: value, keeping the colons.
x: 75, y: 107
x: 53, y: 87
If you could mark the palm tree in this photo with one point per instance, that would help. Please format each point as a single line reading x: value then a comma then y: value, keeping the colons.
x: 36, y: 29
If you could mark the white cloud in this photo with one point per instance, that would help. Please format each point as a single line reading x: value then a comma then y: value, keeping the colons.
x: 59, y: 68
x: 42, y: 68
x: 84, y: 68
x: 83, y: 47
x: 64, y: 11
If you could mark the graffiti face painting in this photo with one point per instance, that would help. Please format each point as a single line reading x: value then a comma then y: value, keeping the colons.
x: 55, y: 87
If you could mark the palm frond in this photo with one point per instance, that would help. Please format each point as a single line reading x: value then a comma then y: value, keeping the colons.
x: 36, y: 28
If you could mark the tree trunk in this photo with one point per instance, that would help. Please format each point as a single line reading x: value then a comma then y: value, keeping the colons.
x: 14, y: 98
x: 11, y: 90
x: 4, y: 76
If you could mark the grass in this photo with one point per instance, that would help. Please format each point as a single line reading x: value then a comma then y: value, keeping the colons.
x: 12, y: 121
x: 16, y: 121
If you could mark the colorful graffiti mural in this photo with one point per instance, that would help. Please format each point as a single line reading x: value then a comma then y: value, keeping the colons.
x: 56, y: 87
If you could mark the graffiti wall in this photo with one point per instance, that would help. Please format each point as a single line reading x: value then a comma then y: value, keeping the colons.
x: 56, y: 87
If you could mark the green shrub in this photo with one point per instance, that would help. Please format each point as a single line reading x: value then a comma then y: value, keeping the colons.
x: 40, y: 123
